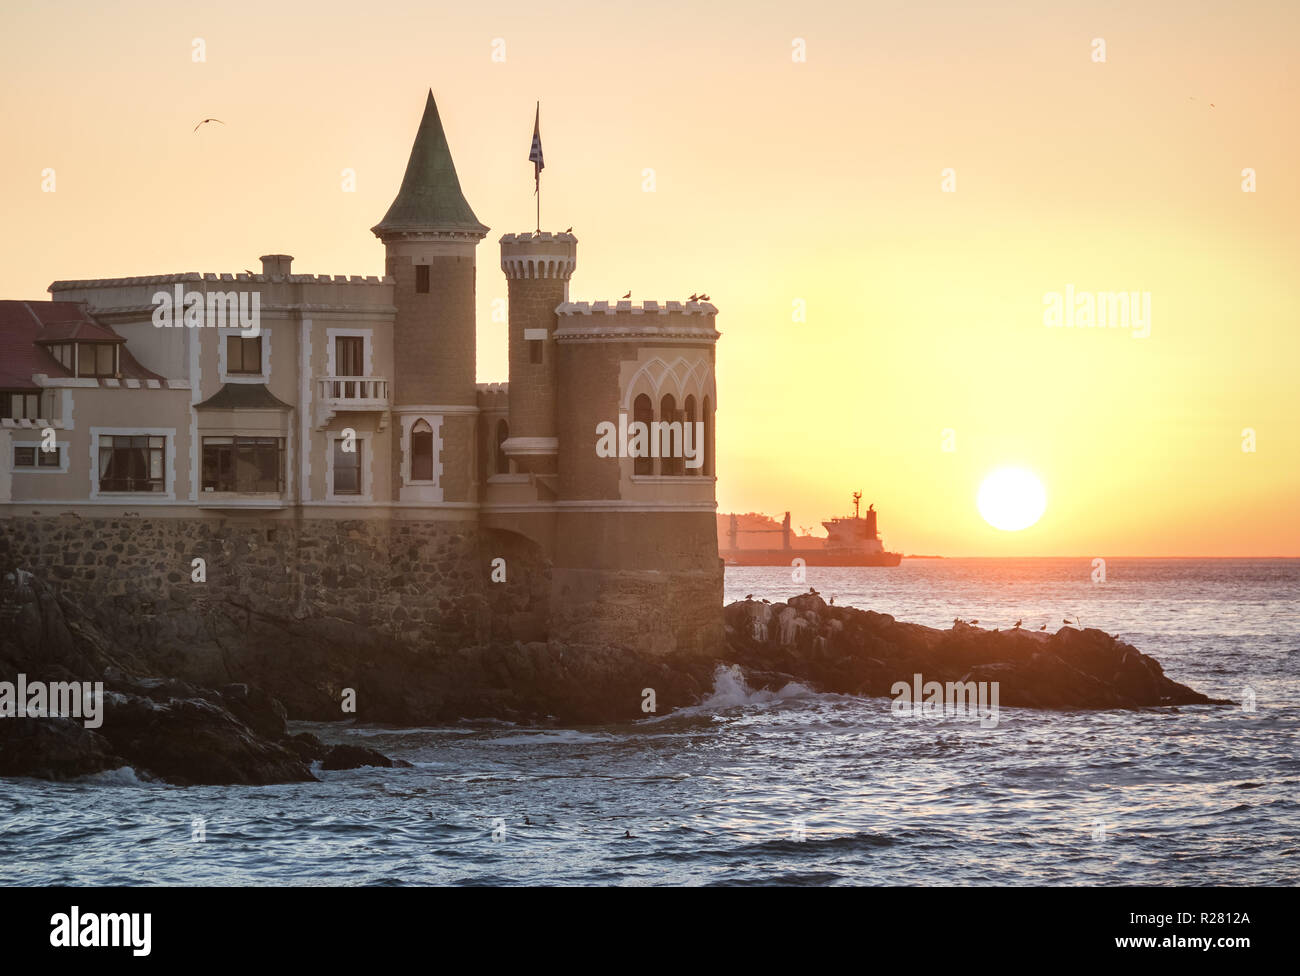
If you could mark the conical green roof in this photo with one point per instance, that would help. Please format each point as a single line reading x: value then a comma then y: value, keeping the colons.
x: 430, y: 198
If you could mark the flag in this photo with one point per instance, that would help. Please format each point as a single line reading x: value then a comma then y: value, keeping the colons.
x: 535, y: 154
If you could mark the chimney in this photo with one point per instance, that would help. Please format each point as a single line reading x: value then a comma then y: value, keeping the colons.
x: 276, y: 264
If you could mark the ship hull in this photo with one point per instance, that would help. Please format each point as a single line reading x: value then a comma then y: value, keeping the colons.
x: 811, y: 557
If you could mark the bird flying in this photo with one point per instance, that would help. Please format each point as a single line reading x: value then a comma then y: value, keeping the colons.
x: 205, y: 121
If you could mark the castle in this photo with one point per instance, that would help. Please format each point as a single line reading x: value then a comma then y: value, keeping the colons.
x: 339, y: 451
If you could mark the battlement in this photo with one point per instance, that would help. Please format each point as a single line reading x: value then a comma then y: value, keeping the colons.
x: 540, y: 254
x: 689, y: 322
x: 493, y: 396
x: 637, y: 308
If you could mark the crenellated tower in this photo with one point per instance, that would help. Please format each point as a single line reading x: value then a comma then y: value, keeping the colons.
x: 537, y: 267
x: 431, y: 235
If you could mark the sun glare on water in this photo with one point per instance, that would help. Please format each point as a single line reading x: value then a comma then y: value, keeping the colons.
x: 1012, y: 499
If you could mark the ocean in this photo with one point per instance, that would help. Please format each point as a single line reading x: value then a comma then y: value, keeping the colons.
x: 784, y: 788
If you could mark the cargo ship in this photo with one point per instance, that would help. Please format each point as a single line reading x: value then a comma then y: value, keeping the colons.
x: 851, y: 540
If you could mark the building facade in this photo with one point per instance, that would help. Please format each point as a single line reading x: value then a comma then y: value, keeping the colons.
x: 335, y: 399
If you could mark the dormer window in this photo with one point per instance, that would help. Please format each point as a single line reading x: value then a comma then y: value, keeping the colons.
x: 88, y: 359
x: 96, y: 359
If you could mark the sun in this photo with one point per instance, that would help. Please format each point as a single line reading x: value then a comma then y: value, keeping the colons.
x: 1012, y: 499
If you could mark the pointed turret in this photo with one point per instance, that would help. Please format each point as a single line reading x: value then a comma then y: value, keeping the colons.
x: 430, y: 200
x: 430, y: 237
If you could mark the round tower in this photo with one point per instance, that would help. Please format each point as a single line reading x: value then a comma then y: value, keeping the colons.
x: 537, y: 267
x: 431, y: 235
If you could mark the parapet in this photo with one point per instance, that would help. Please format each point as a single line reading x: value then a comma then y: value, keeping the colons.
x: 626, y: 320
x: 539, y: 254
x: 493, y: 396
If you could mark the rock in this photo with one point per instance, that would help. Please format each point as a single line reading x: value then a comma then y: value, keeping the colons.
x: 353, y: 757
x: 859, y: 652
x: 53, y: 748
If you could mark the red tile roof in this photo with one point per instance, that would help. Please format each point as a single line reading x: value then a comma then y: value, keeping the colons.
x: 25, y: 325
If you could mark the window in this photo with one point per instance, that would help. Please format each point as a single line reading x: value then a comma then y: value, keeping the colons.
x: 347, y: 469
x: 21, y: 406
x: 670, y: 444
x: 131, y: 463
x: 503, y: 462
x: 421, y: 451
x: 96, y: 359
x: 246, y: 464
x: 643, y: 412
x: 243, y: 355
x: 422, y: 279
x: 688, y: 431
x: 63, y: 353
x: 535, y: 350
x: 349, y: 356
x: 34, y: 457
x: 708, y: 437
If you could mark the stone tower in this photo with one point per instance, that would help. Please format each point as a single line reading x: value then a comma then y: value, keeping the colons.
x: 537, y: 269
x: 431, y: 235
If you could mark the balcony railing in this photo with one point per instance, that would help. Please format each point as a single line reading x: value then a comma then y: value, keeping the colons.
x: 354, y: 392
x: 337, y: 394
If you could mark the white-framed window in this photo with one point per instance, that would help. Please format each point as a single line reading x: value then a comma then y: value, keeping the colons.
x: 138, y: 462
x: 29, y: 458
x: 241, y: 359
x: 349, y: 352
x: 347, y: 473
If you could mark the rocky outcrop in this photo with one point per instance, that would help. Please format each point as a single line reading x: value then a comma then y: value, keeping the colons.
x: 163, y: 728
x: 860, y: 652
x: 184, y: 732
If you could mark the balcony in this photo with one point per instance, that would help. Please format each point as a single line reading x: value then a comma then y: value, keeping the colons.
x: 349, y: 394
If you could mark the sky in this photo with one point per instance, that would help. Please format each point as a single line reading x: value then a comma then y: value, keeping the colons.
x: 879, y: 332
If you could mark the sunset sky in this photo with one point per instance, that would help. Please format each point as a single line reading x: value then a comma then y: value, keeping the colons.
x: 776, y: 181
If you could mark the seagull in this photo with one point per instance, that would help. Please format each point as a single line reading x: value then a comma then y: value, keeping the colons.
x: 812, y: 591
x: 704, y: 298
x: 205, y: 121
x: 693, y: 298
x: 749, y: 596
x: 568, y: 230
x: 1044, y: 627
x: 1019, y: 622
x: 628, y: 295
x: 247, y: 272
x: 974, y: 622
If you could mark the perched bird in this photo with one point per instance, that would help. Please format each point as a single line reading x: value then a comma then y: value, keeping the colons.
x: 812, y: 591
x: 749, y: 596
x: 246, y: 271
x: 704, y: 298
x: 973, y: 622
x: 205, y: 121
x: 1018, y: 623
x: 628, y: 295
x: 1044, y: 627
x: 832, y: 601
x: 693, y: 298
x: 568, y: 230
x: 766, y: 600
